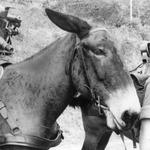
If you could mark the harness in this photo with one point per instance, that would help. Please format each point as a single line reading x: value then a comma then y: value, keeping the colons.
x: 16, y: 138
x: 31, y: 141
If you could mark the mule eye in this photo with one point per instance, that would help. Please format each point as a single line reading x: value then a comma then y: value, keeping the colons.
x: 100, y: 51
x: 96, y: 50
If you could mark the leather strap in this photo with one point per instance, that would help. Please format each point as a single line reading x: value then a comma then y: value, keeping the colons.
x: 31, y: 141
x: 17, y: 138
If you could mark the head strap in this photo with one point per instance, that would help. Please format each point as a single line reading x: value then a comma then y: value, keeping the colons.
x: 94, y: 97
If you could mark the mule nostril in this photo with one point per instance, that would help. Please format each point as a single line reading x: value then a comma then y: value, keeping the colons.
x: 129, y: 118
x: 126, y: 116
x: 135, y: 116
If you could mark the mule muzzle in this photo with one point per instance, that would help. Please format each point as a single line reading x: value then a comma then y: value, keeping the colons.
x: 129, y: 119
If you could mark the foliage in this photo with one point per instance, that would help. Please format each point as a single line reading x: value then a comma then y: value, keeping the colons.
x: 108, y: 12
x: 145, y: 12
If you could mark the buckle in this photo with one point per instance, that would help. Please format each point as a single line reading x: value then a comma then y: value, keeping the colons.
x: 98, y: 104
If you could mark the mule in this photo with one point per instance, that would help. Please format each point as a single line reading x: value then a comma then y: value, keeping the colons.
x: 37, y: 90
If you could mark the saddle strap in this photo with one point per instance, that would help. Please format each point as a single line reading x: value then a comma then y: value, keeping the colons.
x: 31, y: 141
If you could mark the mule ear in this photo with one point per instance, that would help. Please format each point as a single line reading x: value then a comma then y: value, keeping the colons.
x: 69, y: 23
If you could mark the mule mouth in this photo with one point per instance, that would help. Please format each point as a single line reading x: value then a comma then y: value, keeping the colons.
x: 130, y: 119
x: 125, y: 128
x: 114, y: 123
x: 119, y: 124
x: 124, y: 108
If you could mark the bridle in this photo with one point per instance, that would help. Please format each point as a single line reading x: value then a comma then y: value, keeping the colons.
x: 96, y: 98
x: 99, y: 103
x: 93, y: 96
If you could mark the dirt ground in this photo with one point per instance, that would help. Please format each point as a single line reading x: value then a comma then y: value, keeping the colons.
x: 35, y: 33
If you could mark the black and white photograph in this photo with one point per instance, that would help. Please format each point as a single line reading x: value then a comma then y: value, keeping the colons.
x: 74, y: 74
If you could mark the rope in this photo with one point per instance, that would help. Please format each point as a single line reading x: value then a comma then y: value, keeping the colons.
x: 133, y: 138
x: 139, y: 66
x: 122, y: 138
x: 84, y: 66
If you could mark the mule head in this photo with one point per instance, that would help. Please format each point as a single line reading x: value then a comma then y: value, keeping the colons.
x: 97, y: 66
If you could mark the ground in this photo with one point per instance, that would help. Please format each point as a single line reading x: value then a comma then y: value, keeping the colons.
x: 35, y: 33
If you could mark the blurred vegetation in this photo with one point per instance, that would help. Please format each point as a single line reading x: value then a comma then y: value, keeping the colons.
x: 108, y: 12
x: 115, y: 15
x: 112, y: 14
x: 37, y: 31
